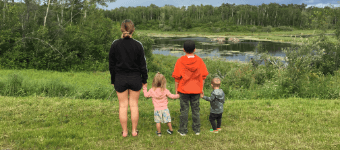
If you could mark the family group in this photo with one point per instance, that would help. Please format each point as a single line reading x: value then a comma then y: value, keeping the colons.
x: 129, y: 73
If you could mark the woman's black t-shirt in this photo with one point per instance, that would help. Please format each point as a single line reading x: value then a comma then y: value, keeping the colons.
x: 127, y: 57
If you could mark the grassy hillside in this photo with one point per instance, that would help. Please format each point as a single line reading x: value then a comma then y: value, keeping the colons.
x: 61, y: 123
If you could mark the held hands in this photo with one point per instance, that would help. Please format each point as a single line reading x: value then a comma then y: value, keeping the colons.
x: 145, y: 85
x: 202, y: 94
x: 177, y: 95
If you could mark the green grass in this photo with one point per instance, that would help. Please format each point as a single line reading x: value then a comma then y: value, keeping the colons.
x: 53, y: 83
x: 60, y: 123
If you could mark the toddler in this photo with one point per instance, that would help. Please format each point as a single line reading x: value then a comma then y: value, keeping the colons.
x: 159, y: 95
x: 216, y: 102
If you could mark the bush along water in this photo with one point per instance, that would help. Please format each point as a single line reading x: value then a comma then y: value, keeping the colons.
x: 311, y: 72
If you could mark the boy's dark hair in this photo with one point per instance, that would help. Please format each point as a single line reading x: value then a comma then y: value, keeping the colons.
x: 189, y: 46
x: 216, y: 82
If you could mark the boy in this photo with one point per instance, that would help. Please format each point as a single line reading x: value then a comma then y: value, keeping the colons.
x: 216, y: 102
x: 189, y: 73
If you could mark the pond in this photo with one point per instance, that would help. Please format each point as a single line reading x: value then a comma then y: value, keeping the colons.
x: 205, y: 47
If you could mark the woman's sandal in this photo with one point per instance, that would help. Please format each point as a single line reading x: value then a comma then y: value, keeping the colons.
x: 125, y: 135
x: 135, y: 134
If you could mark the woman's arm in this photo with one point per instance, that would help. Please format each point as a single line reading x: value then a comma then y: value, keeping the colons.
x: 143, y: 67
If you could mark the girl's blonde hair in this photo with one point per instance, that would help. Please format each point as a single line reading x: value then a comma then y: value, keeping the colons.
x: 159, y: 81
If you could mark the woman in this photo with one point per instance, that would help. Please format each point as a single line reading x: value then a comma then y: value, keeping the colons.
x: 128, y: 74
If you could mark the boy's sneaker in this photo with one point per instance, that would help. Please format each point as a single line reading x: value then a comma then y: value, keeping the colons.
x: 197, y: 133
x: 219, y: 129
x: 170, y: 132
x: 182, y: 134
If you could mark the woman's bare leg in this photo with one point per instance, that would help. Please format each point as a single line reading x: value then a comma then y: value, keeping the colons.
x: 133, y: 102
x: 123, y: 106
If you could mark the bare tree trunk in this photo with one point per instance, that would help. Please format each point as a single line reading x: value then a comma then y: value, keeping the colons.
x: 275, y: 18
x: 35, y: 14
x: 47, y: 12
x: 232, y: 12
x: 58, y: 19
x: 72, y: 11
x: 199, y: 12
x: 241, y: 20
x: 71, y: 15
x: 3, y: 10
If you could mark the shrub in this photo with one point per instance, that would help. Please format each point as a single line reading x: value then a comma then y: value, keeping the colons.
x: 267, y: 29
x: 160, y: 26
x: 56, y: 88
x: 253, y: 29
x: 285, y: 28
x: 14, y: 85
x: 337, y: 31
x: 329, y: 62
x: 2, y: 88
x: 166, y: 28
x: 216, y: 29
x: 239, y: 78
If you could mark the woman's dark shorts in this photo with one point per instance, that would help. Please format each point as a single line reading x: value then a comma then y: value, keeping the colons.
x: 124, y: 81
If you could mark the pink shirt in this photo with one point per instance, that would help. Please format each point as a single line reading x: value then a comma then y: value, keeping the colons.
x: 159, y: 98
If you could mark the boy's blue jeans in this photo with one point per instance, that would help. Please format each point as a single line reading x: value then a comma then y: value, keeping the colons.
x: 195, y: 108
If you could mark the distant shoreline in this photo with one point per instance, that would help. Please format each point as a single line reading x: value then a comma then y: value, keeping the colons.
x: 272, y: 37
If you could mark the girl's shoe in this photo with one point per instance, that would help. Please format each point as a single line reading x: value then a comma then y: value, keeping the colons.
x: 125, y: 135
x: 170, y: 132
x: 219, y: 129
x: 135, y: 134
x: 159, y: 134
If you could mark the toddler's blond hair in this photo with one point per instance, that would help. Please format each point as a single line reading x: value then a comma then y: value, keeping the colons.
x: 159, y: 81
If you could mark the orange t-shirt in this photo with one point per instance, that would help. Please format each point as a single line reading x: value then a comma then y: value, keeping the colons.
x: 189, y: 72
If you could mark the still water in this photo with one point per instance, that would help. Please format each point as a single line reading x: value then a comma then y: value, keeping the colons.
x: 205, y: 47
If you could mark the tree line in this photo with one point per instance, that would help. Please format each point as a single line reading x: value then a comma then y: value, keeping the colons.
x: 273, y: 14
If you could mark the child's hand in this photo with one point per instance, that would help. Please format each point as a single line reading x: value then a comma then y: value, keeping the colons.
x: 177, y: 95
x: 145, y: 85
x: 201, y: 95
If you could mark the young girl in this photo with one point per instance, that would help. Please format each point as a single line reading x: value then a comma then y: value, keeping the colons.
x: 159, y: 95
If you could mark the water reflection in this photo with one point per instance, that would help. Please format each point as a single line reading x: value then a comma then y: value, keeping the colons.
x: 205, y: 47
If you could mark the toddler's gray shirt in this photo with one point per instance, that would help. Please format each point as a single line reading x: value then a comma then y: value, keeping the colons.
x: 216, y: 101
